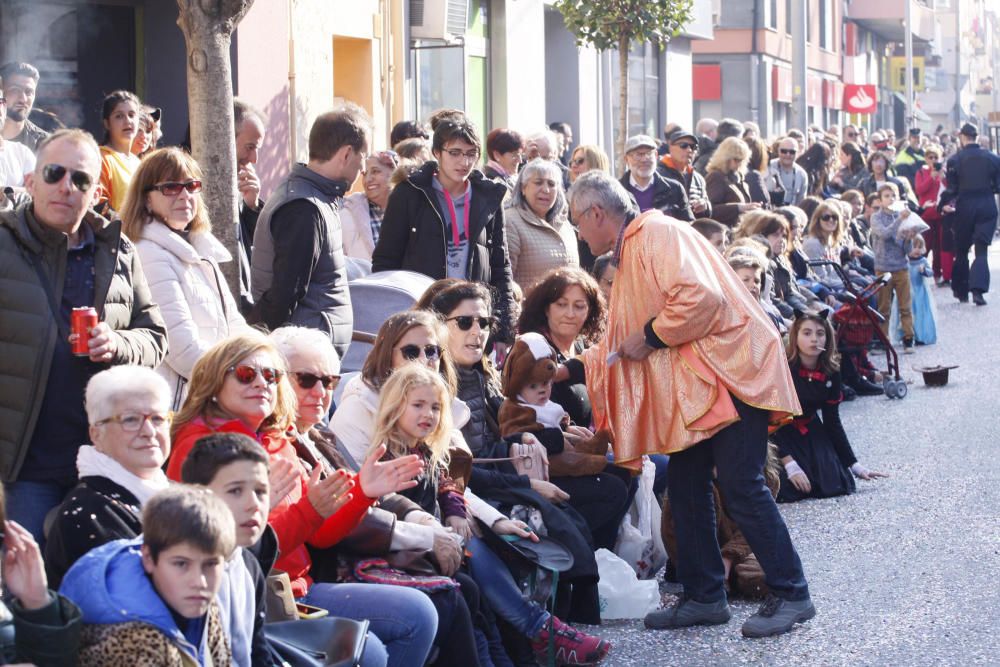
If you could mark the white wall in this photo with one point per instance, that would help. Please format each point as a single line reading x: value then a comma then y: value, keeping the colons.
x: 517, y: 51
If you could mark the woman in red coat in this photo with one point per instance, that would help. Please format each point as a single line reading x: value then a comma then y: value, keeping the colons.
x: 240, y: 385
x: 928, y: 184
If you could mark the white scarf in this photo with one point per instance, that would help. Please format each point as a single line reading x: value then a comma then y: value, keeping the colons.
x: 92, y: 463
x: 548, y: 415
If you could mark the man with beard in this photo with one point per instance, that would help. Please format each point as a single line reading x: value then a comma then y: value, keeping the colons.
x: 650, y: 189
x: 20, y: 80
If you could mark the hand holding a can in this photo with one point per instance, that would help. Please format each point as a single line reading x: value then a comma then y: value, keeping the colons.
x: 99, y: 340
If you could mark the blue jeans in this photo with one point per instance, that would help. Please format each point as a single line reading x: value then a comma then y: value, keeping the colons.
x: 28, y: 503
x: 739, y: 453
x: 661, y: 461
x: 496, y: 583
x: 403, y: 619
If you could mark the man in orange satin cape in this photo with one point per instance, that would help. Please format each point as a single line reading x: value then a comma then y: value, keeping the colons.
x: 691, y: 366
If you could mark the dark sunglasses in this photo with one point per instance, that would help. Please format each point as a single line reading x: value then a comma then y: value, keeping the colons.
x: 577, y: 162
x: 827, y: 217
x: 412, y: 352
x: 247, y: 374
x: 787, y: 151
x: 172, y: 188
x: 309, y: 380
x: 464, y: 322
x: 54, y: 173
x: 686, y: 146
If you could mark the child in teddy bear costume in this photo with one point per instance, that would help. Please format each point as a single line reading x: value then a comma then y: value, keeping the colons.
x: 528, y: 408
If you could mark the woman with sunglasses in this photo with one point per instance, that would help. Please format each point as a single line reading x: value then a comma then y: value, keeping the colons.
x: 361, y: 216
x: 465, y: 308
x: 240, y: 385
x: 823, y: 241
x: 121, y: 113
x: 166, y: 218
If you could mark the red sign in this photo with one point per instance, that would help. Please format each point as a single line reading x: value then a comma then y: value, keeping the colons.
x: 860, y: 98
x: 833, y: 94
x: 706, y: 82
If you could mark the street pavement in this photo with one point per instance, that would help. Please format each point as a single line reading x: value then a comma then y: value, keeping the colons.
x: 905, y: 571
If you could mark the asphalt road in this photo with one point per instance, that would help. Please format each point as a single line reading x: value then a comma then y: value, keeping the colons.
x: 905, y: 571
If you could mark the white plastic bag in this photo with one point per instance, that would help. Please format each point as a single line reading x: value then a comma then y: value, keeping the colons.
x: 639, y: 541
x: 621, y: 593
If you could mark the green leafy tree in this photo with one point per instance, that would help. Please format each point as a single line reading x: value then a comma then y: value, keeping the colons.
x: 616, y: 24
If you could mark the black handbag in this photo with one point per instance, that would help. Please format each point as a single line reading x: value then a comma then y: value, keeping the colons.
x: 319, y: 642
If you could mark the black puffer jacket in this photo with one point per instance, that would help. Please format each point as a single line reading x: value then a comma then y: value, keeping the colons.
x: 413, y: 237
x: 28, y: 331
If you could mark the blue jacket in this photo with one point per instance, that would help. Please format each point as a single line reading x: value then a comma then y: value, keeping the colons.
x: 891, y: 252
x: 110, y: 586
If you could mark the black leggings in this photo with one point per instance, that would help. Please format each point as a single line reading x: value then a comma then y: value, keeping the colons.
x: 455, y: 640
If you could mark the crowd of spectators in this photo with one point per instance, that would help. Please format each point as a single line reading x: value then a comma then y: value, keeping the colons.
x: 175, y: 459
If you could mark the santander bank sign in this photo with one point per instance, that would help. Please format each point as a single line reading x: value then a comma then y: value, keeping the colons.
x: 860, y: 98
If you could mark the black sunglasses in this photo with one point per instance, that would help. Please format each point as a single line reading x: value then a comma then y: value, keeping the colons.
x: 54, y: 173
x: 787, y: 151
x: 465, y: 322
x: 686, y: 146
x: 172, y: 188
x: 827, y: 217
x: 412, y: 352
x: 309, y: 380
x: 247, y: 374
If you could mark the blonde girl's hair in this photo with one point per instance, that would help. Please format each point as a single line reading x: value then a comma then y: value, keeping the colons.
x: 816, y: 228
x: 594, y: 156
x: 393, y: 401
x: 919, y: 243
x: 829, y: 361
x: 731, y: 148
x: 210, y: 374
x: 159, y: 166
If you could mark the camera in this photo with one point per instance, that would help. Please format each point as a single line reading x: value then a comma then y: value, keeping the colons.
x: 938, y: 165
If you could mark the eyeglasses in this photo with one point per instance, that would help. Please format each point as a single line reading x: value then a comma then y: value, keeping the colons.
x: 576, y: 162
x: 247, y: 374
x: 458, y: 154
x: 54, y: 173
x: 412, y: 352
x: 686, y: 146
x: 133, y: 421
x: 309, y: 380
x: 173, y: 188
x: 787, y: 151
x: 639, y: 154
x: 827, y: 217
x: 465, y: 322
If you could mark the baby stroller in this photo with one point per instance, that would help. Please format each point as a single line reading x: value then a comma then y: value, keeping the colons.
x: 857, y: 323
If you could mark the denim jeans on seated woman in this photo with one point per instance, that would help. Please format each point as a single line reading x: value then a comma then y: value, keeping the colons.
x: 402, y: 620
x: 497, y: 585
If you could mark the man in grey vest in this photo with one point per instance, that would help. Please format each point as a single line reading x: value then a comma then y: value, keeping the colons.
x: 298, y: 271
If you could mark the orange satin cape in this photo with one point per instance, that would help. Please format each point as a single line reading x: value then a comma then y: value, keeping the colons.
x: 720, y: 345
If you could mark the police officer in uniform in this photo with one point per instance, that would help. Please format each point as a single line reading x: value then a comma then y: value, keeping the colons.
x: 973, y: 179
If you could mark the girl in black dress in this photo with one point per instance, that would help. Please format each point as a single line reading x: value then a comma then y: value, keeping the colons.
x: 814, y: 449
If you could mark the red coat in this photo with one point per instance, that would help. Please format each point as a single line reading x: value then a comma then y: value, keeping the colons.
x: 295, y: 520
x: 927, y: 189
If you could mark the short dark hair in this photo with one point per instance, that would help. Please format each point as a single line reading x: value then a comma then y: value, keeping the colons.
x: 407, y: 129
x: 447, y: 300
x: 409, y: 148
x: 243, y: 111
x: 449, y: 129
x: 502, y: 140
x: 549, y: 289
x: 728, y: 127
x: 437, y: 117
x: 708, y: 227
x: 183, y: 513
x: 216, y: 451
x: 19, y: 69
x: 560, y: 126
x: 349, y: 125
x: 601, y: 264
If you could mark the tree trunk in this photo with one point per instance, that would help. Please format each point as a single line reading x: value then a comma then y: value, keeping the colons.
x: 623, y: 45
x: 208, y: 27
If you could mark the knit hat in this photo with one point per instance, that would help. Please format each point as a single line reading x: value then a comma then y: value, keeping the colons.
x: 530, y: 360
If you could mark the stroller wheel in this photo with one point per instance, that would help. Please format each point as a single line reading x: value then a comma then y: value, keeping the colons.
x: 892, y: 389
x: 901, y: 389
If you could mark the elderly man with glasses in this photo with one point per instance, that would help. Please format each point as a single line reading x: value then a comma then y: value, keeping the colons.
x: 650, y: 189
x: 58, y: 255
x: 677, y: 166
x: 787, y: 181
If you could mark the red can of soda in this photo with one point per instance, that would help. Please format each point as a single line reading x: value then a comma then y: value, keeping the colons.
x: 81, y: 321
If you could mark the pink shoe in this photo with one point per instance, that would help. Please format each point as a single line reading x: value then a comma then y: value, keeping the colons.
x: 572, y: 647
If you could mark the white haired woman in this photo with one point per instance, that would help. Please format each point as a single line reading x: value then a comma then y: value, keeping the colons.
x: 128, y: 408
x: 539, y: 234
x: 724, y: 184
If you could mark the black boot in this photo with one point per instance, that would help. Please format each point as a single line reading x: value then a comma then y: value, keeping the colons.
x: 977, y: 298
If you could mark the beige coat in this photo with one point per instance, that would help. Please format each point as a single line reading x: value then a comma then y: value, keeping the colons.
x: 537, y: 246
